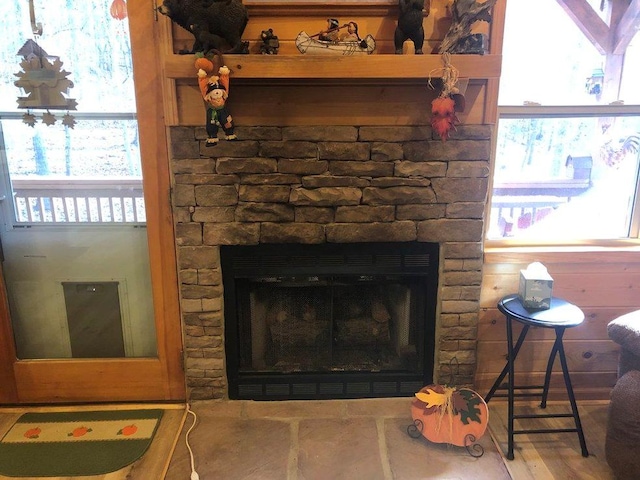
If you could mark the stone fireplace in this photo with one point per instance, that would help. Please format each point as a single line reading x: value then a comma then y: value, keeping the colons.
x: 329, y: 320
x: 331, y: 186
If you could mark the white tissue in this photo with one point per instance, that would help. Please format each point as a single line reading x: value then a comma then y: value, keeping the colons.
x: 538, y: 271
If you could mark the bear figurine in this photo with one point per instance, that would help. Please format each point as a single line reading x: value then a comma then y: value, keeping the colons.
x: 212, y: 23
x: 410, y: 24
x: 270, y: 43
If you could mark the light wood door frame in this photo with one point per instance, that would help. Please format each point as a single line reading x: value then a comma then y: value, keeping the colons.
x: 124, y: 379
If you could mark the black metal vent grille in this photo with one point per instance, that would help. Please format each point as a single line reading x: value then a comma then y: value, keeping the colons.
x: 330, y: 260
x: 327, y: 389
x: 365, y: 258
x: 416, y: 260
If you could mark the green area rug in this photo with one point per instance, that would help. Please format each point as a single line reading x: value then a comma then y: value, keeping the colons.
x: 76, y: 443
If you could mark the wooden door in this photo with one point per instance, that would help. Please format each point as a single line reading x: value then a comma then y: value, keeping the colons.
x: 144, y: 378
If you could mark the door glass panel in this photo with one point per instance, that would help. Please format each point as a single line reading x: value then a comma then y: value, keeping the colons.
x: 74, y: 239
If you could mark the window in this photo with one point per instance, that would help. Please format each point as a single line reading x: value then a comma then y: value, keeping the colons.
x: 568, y: 135
x: 88, y: 172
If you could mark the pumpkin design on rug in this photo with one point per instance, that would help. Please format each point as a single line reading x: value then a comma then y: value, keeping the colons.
x: 450, y: 415
x: 76, y: 443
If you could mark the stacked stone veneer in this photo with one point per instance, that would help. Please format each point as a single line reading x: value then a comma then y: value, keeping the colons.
x: 320, y: 184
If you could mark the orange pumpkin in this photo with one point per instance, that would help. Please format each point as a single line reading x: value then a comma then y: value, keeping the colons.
x: 205, y: 64
x: 449, y: 415
x: 443, y: 117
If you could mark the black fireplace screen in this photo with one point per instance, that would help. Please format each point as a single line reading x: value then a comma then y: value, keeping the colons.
x: 329, y: 321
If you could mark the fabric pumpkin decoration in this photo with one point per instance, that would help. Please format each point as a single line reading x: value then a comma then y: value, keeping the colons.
x: 443, y: 116
x: 444, y: 107
x: 203, y: 63
x: 449, y: 415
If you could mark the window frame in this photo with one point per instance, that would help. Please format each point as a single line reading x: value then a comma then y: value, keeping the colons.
x: 8, y: 206
x: 540, y: 111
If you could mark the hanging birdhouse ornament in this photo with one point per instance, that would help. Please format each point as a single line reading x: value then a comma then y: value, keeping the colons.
x: 44, y: 82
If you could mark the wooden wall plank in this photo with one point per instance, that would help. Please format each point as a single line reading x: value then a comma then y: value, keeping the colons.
x: 492, y: 326
x: 582, y: 356
x: 586, y: 385
x: 603, y: 282
x: 330, y: 105
x: 615, y: 289
x: 598, y: 256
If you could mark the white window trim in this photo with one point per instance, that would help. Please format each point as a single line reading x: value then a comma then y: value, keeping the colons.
x: 545, y: 111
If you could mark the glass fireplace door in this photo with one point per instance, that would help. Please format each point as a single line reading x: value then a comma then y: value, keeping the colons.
x: 329, y: 320
x: 327, y: 324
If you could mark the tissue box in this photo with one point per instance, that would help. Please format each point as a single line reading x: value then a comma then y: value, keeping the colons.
x: 535, y: 287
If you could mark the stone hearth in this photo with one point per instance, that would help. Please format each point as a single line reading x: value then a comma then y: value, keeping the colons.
x: 311, y: 185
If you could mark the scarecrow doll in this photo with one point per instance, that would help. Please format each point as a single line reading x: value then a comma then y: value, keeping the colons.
x: 215, y: 91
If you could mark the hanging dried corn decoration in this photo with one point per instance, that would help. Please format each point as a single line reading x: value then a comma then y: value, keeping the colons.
x: 443, y: 108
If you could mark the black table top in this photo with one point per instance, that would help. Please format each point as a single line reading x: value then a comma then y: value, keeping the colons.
x: 560, y: 314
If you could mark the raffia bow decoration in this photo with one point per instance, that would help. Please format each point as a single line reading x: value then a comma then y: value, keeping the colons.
x: 444, y: 107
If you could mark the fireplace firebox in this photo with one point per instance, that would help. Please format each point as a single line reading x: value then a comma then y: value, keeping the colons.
x: 329, y: 320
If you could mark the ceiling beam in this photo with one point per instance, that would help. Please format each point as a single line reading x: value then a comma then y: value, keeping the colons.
x: 627, y: 27
x: 589, y: 23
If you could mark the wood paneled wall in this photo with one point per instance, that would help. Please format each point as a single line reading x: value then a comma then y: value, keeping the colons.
x: 604, y: 283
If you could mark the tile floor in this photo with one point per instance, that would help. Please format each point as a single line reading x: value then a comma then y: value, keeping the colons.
x: 321, y: 440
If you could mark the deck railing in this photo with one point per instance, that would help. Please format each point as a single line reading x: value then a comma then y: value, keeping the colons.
x: 78, y: 200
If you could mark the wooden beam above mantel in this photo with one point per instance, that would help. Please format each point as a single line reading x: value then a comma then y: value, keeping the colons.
x: 589, y: 23
x: 328, y: 68
x: 608, y: 39
x: 627, y: 27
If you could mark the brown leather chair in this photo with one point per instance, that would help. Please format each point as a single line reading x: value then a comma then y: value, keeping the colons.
x: 622, y: 445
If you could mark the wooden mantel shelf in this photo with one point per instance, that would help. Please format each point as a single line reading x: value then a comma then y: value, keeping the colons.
x: 359, y: 67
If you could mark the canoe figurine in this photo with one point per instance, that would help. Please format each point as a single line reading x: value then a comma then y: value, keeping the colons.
x: 336, y: 40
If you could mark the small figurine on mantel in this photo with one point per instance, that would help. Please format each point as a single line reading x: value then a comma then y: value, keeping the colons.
x: 464, y: 14
x: 410, y: 24
x: 270, y: 43
x: 214, y: 24
x: 215, y: 91
x: 331, y: 33
x: 336, y: 40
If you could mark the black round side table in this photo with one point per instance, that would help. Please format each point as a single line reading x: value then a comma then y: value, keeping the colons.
x: 560, y: 316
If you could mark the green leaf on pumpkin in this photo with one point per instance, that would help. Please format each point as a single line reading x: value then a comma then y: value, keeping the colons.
x: 471, y: 413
